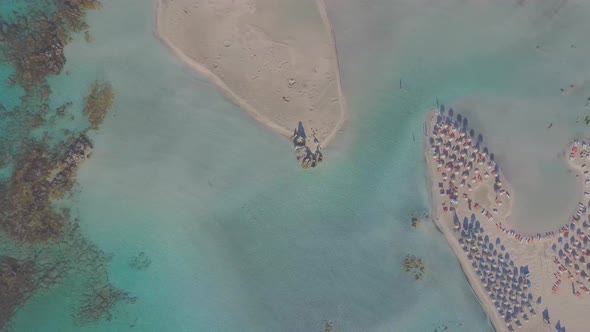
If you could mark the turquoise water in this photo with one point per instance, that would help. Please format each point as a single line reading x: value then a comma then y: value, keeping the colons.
x: 241, y: 238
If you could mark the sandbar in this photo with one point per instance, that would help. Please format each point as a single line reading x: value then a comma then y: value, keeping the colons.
x: 275, y: 59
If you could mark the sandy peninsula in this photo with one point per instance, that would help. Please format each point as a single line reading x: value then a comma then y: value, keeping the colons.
x: 276, y: 59
x: 530, y: 282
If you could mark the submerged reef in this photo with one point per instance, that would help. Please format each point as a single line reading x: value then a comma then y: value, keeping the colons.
x: 40, y: 178
x: 97, y: 304
x: 98, y: 103
x: 16, y: 285
x: 414, y: 265
x: 303, y: 148
x: 34, y: 42
x: 40, y: 241
x: 140, y: 262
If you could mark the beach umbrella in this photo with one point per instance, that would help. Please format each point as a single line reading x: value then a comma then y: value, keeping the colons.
x: 497, y: 241
x: 572, y: 239
x: 530, y: 296
x: 554, y: 247
x: 486, y: 239
x: 491, y: 247
x: 507, y: 256
x: 477, y: 225
x: 560, y: 240
x: 546, y: 315
x: 539, y: 300
x: 566, y: 246
x: 502, y: 248
x: 560, y: 253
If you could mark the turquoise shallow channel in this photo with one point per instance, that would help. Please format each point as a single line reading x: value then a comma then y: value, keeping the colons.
x: 240, y: 238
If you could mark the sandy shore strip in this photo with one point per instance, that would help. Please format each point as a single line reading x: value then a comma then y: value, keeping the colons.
x: 530, y: 282
x: 276, y: 60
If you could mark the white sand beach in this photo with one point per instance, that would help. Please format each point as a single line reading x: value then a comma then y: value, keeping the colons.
x: 519, y: 278
x: 275, y: 59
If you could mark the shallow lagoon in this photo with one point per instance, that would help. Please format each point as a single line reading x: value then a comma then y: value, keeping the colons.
x: 241, y: 238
